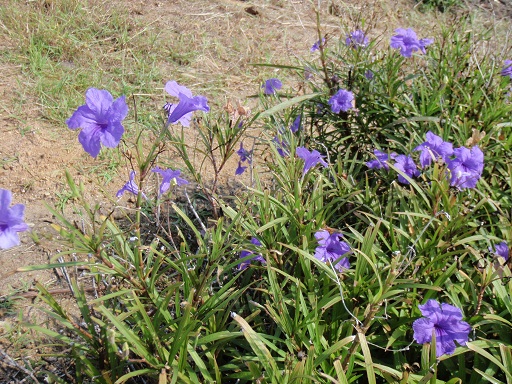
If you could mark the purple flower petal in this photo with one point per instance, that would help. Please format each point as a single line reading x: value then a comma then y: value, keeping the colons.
x: 182, y: 112
x: 433, y: 149
x: 330, y: 249
x: 356, y: 39
x: 130, y: 187
x: 11, y: 220
x: 407, y: 41
x: 310, y: 158
x: 507, y: 69
x: 271, y: 86
x: 501, y: 250
x: 168, y: 175
x: 406, y: 165
x: 341, y: 101
x: 466, y: 168
x: 100, y: 119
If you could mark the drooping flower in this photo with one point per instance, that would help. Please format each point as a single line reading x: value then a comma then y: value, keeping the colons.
x: 407, y: 41
x: 245, y: 263
x: 369, y: 74
x: 331, y: 248
x: 433, y: 149
x: 466, y: 168
x: 11, y: 220
x: 310, y: 158
x: 502, y: 250
x: 406, y: 165
x: 507, y: 69
x: 381, y: 160
x: 356, y: 39
x: 316, y: 46
x: 296, y: 124
x: 130, y: 187
x: 100, y: 119
x: 282, y: 146
x: 271, y: 86
x: 240, y: 169
x: 168, y: 176
x: 182, y: 112
x: 245, y: 155
x: 446, y: 321
x: 341, y: 101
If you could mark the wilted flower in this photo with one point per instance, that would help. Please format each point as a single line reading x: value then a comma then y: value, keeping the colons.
x: 507, y: 69
x: 296, y: 124
x: 100, y: 119
x: 240, y: 169
x: 501, y: 250
x: 316, y: 46
x: 369, y: 74
x: 244, y: 264
x: 168, y: 176
x: 407, y: 41
x: 310, y: 158
x: 271, y: 86
x: 356, y: 39
x: 341, y: 101
x: 245, y: 155
x: 182, y: 112
x: 406, y: 165
x: 466, y: 168
x: 281, y: 146
x: 11, y: 220
x: 131, y: 187
x: 446, y: 321
x: 433, y: 149
x: 331, y: 248
x: 381, y: 160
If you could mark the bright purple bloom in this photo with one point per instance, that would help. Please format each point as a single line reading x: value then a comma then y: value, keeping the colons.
x: 466, y: 168
x: 168, y: 175
x: 507, y: 69
x: 356, y: 39
x: 406, y: 165
x: 446, y: 321
x: 296, y: 124
x: 271, y: 86
x: 11, y: 220
x: 182, y: 112
x: 131, y: 187
x: 310, y: 158
x: 381, y: 160
x: 407, y: 41
x: 244, y: 264
x: 100, y: 119
x: 316, y: 46
x: 433, y: 149
x: 341, y: 101
x: 331, y: 248
x: 501, y: 250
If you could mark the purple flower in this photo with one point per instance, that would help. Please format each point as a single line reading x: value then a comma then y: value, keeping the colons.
x: 244, y: 154
x: 244, y: 264
x: 406, y: 165
x: 466, y: 168
x: 271, y: 86
x: 131, y: 187
x: 407, y: 41
x: 331, y: 248
x: 168, y: 175
x: 356, y: 39
x: 282, y: 146
x: 433, y: 149
x: 446, y: 321
x: 369, y: 74
x: 310, y: 158
x: 501, y: 250
x: 507, y: 69
x: 341, y: 101
x: 240, y: 169
x: 182, y: 112
x: 381, y: 160
x: 11, y: 220
x: 296, y: 124
x: 100, y: 119
x: 316, y: 46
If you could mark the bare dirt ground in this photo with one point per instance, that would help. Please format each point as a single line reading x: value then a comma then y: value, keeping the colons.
x: 34, y: 152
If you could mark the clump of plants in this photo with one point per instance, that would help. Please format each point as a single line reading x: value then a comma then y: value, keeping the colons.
x: 371, y: 243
